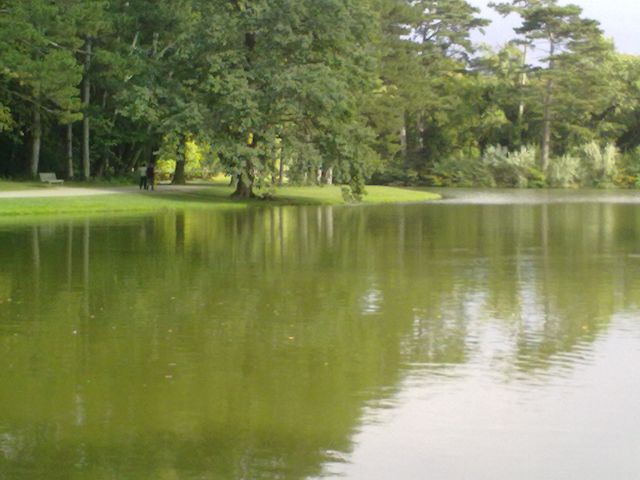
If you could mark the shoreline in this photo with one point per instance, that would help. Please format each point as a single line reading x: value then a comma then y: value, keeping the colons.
x: 78, y: 201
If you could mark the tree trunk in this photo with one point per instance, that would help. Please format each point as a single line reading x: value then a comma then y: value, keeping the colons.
x: 178, y: 174
x: 547, y: 115
x: 403, y: 142
x: 104, y: 165
x: 69, y: 151
x: 521, y: 106
x: 274, y: 170
x: 244, y: 188
x: 420, y: 141
x: 134, y: 159
x: 281, y: 167
x: 181, y: 160
x: 99, y: 172
x: 245, y: 180
x: 546, y: 128
x: 86, y: 98
x: 244, y: 183
x: 36, y: 141
x: 523, y: 83
x: 410, y: 140
x: 327, y: 176
x: 120, y: 169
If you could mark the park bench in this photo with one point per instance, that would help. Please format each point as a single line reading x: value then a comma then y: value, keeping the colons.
x: 49, y: 178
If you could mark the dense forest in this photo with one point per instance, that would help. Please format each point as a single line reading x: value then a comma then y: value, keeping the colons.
x: 315, y: 91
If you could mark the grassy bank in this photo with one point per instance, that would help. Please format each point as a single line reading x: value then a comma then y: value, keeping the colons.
x: 11, y: 186
x: 14, y: 185
x: 195, y: 197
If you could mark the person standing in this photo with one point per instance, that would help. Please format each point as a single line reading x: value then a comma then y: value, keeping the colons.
x: 151, y: 173
x: 142, y: 173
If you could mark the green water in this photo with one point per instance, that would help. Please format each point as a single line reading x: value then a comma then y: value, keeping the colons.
x: 458, y: 340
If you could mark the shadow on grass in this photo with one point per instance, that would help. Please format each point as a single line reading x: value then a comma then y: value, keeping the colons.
x: 221, y: 194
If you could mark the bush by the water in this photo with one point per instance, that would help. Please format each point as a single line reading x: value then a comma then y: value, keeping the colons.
x: 629, y: 169
x: 591, y: 165
x: 599, y: 165
x: 564, y: 171
x: 513, y: 169
x: 496, y: 168
x: 460, y: 172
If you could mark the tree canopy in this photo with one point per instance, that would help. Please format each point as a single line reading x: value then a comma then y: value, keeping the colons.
x: 310, y: 91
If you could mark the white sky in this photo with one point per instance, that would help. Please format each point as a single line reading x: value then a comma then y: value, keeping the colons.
x: 620, y: 20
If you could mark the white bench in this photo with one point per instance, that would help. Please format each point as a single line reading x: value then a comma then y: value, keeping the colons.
x: 49, y: 178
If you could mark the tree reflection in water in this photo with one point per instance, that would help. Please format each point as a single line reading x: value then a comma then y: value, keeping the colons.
x: 248, y: 344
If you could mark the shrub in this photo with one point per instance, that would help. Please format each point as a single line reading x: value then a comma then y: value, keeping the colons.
x: 512, y: 169
x: 461, y: 172
x: 564, y: 171
x: 394, y: 176
x: 629, y: 169
x: 536, y: 178
x: 348, y: 196
x: 599, y: 165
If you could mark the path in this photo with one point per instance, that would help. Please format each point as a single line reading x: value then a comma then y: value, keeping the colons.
x: 82, y: 192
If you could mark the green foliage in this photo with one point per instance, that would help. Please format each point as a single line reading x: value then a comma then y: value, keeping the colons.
x: 304, y: 160
x: 423, y: 100
x: 461, y: 172
x: 536, y: 178
x: 355, y: 87
x: 629, y: 169
x: 599, y: 164
x: 347, y: 194
x: 589, y: 165
x: 200, y: 161
x: 565, y: 171
x: 513, y: 169
x: 37, y: 54
x: 354, y: 193
x: 496, y: 168
x: 6, y: 121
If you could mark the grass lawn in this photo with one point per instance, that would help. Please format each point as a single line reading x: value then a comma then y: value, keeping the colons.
x: 10, y: 186
x: 215, y: 196
x: 14, y: 186
x: 332, y: 195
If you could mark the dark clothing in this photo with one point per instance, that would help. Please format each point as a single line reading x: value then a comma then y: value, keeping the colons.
x: 142, y: 173
x: 151, y: 172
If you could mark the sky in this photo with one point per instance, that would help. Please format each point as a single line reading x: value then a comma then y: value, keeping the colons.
x: 620, y: 20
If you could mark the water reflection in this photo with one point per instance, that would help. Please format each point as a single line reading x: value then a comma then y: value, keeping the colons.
x: 251, y: 344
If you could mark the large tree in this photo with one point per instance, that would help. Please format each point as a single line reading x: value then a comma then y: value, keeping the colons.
x: 39, y: 73
x: 570, y: 44
x: 425, y: 48
x: 285, y: 72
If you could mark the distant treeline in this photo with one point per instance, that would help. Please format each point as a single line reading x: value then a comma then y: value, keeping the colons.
x: 391, y: 91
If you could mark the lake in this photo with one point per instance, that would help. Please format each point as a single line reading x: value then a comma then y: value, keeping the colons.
x: 494, y: 335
